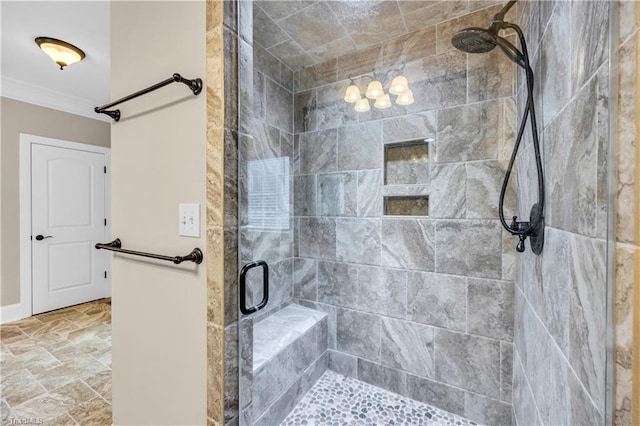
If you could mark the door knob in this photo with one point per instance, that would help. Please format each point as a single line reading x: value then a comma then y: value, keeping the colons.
x: 42, y: 237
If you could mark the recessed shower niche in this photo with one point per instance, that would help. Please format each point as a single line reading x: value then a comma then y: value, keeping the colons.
x: 406, y: 163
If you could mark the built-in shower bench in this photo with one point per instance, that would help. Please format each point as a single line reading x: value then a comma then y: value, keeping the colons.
x: 289, y: 356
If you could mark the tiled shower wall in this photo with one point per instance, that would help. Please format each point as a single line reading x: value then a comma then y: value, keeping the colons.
x: 560, y: 297
x: 422, y: 306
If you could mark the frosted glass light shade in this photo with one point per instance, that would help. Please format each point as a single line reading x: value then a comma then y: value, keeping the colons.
x: 352, y: 94
x: 383, y: 102
x: 61, y: 52
x: 405, y: 98
x: 399, y: 85
x: 374, y: 90
x: 362, y: 105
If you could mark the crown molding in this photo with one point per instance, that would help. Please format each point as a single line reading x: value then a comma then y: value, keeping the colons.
x: 37, y: 95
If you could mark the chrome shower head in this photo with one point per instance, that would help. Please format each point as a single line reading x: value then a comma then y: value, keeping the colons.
x: 474, y: 40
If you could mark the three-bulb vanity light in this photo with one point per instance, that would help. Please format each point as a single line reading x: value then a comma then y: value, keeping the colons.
x: 399, y: 87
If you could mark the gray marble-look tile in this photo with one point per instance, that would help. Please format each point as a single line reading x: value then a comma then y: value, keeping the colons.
x: 382, y: 291
x: 406, y: 48
x: 460, y: 138
x: 486, y: 410
x: 381, y: 376
x: 557, y: 395
x: 305, y: 284
x: 590, y: 39
x: 317, y: 238
x: 342, y: 363
x: 410, y: 127
x: 407, y: 346
x: 408, y: 243
x: 490, y: 308
x: 230, y: 272
x: 265, y: 31
x: 316, y: 75
x: 277, y: 9
x: 304, y: 111
x: 291, y: 54
x: 370, y: 22
x: 447, y: 195
x: 331, y: 109
x: 550, y: 296
x: 337, y: 193
x: 318, y: 152
x: 491, y: 75
x: 231, y: 372
x: 583, y: 412
x: 260, y: 245
x: 281, y: 282
x: 335, y: 48
x: 360, y: 146
x: 313, y: 26
x: 506, y: 371
x: 437, y: 299
x: 304, y: 195
x: 437, y: 12
x: 555, y: 63
x: 484, y: 181
x: 279, y: 106
x: 603, y: 130
x: 468, y: 361
x: 438, y: 81
x: 331, y: 312
x: 358, y: 240
x: 337, y: 284
x: 587, y: 318
x: 571, y: 165
x: 439, y: 395
x: 406, y: 164
x: 359, y: 334
x: 369, y: 198
x: 265, y: 63
x: 474, y: 248
x: 359, y: 62
x: 524, y: 405
x: 287, y: 401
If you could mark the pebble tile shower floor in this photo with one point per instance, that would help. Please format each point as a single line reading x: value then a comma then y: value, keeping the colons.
x: 339, y: 400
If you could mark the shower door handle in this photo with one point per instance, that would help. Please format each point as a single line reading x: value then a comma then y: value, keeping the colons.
x: 243, y: 287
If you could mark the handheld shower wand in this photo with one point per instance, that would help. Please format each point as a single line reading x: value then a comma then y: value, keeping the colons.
x: 482, y: 40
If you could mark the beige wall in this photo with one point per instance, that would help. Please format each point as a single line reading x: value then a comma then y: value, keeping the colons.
x: 20, y: 117
x: 158, y: 160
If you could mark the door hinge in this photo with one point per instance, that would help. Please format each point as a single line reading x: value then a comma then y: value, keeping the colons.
x: 105, y: 221
x: 105, y: 274
x: 105, y: 169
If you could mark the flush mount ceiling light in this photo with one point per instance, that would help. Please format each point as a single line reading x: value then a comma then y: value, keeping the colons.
x: 61, y: 52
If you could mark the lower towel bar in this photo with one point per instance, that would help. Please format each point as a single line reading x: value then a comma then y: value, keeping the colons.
x: 116, y: 245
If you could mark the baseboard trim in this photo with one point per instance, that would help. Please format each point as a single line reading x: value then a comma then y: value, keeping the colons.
x: 11, y: 313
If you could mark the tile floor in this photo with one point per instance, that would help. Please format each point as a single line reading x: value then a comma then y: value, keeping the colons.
x: 339, y: 400
x: 55, y: 368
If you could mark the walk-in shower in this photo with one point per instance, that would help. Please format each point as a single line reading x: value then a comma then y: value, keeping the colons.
x: 483, y: 40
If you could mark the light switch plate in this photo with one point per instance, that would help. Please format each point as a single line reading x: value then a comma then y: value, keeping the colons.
x: 189, y: 220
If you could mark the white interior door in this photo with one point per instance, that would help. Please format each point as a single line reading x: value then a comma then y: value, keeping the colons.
x: 67, y: 220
